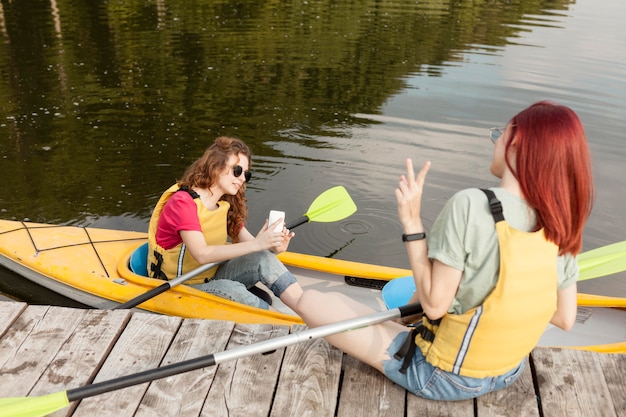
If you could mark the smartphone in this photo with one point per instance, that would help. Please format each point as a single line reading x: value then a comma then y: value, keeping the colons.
x: 274, y: 216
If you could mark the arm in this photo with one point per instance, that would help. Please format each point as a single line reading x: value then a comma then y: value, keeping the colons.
x: 435, y: 283
x: 566, y: 308
x: 443, y: 283
x: 203, y: 253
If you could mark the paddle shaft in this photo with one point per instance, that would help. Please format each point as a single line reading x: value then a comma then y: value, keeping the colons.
x: 240, y: 352
x: 165, y: 286
x: 298, y: 222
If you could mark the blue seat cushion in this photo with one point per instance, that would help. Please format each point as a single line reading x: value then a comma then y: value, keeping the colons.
x: 139, y: 260
x: 398, y: 291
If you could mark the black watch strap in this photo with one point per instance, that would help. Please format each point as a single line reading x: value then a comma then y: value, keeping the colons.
x: 413, y: 236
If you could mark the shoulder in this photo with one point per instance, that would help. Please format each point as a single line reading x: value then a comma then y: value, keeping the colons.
x: 180, y: 201
x: 466, y: 201
x: 469, y: 195
x: 568, y: 270
x: 182, y: 196
x: 476, y: 200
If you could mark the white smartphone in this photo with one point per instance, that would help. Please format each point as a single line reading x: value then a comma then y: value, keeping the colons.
x: 274, y: 216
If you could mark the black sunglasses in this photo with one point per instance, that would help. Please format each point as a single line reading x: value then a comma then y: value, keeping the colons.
x: 238, y: 170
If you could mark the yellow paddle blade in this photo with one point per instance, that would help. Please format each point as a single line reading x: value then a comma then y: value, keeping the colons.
x: 602, y: 261
x: 332, y: 205
x: 33, y: 406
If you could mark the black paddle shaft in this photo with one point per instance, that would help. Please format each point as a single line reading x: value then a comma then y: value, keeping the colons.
x: 139, y: 378
x: 144, y: 297
x: 298, y: 222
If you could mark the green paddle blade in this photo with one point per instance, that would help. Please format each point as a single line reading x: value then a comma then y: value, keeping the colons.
x: 332, y: 205
x: 602, y: 261
x: 33, y: 406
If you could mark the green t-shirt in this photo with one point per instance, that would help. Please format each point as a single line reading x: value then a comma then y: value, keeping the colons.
x: 464, y: 237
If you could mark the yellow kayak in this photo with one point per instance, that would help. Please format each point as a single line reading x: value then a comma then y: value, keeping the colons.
x: 91, y: 266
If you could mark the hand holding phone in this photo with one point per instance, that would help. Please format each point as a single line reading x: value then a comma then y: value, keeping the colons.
x: 274, y: 216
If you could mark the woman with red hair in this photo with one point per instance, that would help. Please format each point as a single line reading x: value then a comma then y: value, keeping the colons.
x: 499, y: 264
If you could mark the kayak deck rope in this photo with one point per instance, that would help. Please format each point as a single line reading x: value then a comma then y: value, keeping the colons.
x: 89, y: 241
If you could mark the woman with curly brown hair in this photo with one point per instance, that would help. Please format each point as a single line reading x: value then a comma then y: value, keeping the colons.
x: 201, y: 220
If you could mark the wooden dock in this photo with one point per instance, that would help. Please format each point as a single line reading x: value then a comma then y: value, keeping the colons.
x: 47, y: 349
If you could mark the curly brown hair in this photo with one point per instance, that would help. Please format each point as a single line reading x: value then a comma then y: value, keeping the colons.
x: 203, y: 173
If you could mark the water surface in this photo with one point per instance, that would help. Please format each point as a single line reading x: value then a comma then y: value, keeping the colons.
x: 104, y: 103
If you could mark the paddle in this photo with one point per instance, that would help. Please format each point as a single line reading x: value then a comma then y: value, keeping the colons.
x: 40, y: 406
x: 595, y: 263
x: 605, y: 260
x: 332, y: 205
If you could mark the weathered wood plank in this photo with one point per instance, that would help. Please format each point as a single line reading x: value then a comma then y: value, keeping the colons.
x: 366, y: 392
x: 49, y: 349
x: 420, y: 407
x: 82, y: 355
x: 571, y: 383
x: 614, y: 368
x: 13, y: 338
x: 9, y: 312
x: 183, y: 395
x: 32, y: 343
x: 141, y: 346
x: 309, y: 380
x: 519, y: 399
x: 245, y: 387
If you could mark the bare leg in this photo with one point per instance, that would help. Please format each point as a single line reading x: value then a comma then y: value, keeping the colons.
x: 291, y: 296
x: 368, y: 344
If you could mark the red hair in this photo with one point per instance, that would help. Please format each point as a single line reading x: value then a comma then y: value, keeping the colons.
x: 553, y: 168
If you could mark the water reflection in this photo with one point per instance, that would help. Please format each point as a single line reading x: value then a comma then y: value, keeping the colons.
x: 104, y: 103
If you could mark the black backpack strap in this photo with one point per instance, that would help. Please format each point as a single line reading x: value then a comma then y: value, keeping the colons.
x: 407, y: 350
x: 495, y: 206
x: 191, y: 192
x: 155, y: 268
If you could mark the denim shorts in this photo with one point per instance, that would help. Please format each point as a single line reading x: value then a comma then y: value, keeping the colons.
x: 427, y: 381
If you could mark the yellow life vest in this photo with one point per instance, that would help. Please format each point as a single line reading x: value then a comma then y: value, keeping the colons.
x: 493, y: 338
x: 171, y: 263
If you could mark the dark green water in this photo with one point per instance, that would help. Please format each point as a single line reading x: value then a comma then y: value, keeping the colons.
x: 104, y: 103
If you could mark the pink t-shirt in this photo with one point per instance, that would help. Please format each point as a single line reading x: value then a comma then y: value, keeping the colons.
x: 179, y: 213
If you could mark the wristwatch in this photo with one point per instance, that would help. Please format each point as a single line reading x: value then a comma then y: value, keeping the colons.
x: 413, y: 236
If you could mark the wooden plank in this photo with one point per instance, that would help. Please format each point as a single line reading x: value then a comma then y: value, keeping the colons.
x: 82, y: 355
x: 9, y: 312
x: 14, y: 337
x: 141, y: 347
x: 184, y: 394
x: 420, y: 407
x: 31, y: 344
x: 571, y: 383
x: 614, y: 368
x: 519, y: 399
x: 367, y: 392
x: 245, y: 387
x: 309, y: 379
